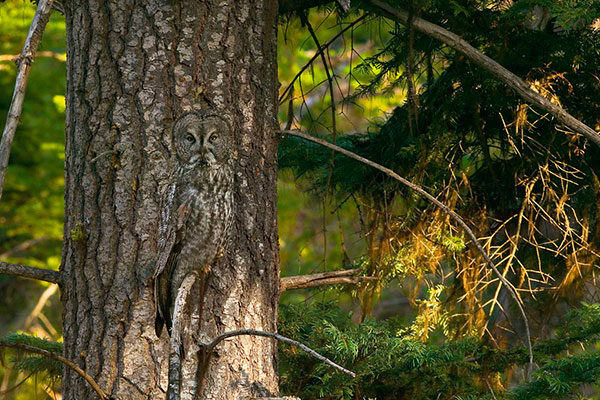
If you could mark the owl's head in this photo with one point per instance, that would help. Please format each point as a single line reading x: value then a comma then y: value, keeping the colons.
x: 202, y: 140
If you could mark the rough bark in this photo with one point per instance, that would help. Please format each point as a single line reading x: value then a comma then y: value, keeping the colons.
x: 132, y: 68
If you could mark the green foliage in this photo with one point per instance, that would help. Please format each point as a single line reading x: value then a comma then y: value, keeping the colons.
x: 391, y: 365
x: 34, y: 341
x: 525, y: 185
x: 470, y: 141
x: 33, y: 363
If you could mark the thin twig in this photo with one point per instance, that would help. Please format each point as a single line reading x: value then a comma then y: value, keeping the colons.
x: 491, y: 390
x: 342, y: 280
x: 441, y: 206
x: 42, y: 15
x: 104, y: 153
x: 323, y: 279
x: 317, y: 54
x: 50, y: 290
x: 49, y: 54
x: 326, y: 66
x: 68, y: 363
x: 24, y: 271
x: 23, y: 246
x: 512, y: 80
x: 15, y: 387
x: 208, y: 348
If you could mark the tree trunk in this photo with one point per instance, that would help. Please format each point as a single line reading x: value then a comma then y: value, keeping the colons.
x: 133, y: 68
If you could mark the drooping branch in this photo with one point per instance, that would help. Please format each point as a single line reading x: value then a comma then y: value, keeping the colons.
x: 442, y: 207
x: 24, y: 271
x: 326, y: 66
x: 208, y: 348
x: 510, y: 79
x: 42, y: 15
x: 317, y: 55
x: 343, y: 277
x: 58, y: 357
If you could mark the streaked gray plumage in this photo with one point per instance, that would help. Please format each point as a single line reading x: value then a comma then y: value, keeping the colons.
x: 197, y: 210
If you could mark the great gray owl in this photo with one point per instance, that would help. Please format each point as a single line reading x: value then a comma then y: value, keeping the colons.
x: 197, y: 210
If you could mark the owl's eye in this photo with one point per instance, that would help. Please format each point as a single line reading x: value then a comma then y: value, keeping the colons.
x: 190, y: 139
x: 213, y: 138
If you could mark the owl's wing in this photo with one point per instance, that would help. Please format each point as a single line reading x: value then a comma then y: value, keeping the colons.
x: 166, y: 263
x: 162, y: 292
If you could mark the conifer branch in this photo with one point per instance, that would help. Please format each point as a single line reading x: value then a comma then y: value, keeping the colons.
x: 442, y: 207
x: 342, y: 277
x: 209, y: 347
x: 58, y: 357
x: 510, y: 79
x: 24, y: 271
x: 42, y: 15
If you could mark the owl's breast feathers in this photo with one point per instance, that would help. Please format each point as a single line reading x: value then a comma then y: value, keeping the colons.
x: 202, y: 214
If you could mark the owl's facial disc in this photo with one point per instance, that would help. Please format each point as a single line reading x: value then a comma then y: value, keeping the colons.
x: 215, y: 149
x: 202, y: 141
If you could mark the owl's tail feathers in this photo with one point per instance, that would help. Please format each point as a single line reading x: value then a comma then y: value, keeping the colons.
x: 158, y: 325
x: 162, y: 309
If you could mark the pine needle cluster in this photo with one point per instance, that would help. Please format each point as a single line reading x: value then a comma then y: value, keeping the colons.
x: 391, y: 365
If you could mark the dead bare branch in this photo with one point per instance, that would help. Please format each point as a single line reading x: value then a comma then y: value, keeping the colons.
x: 50, y: 290
x: 442, y: 207
x: 42, y: 15
x: 208, y: 348
x: 343, y: 277
x: 24, y: 271
x: 510, y: 79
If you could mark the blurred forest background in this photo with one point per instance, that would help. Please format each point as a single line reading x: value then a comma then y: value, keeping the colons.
x: 434, y: 323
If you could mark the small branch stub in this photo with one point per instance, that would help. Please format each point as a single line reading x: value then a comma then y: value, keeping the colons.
x: 24, y: 271
x: 343, y: 277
